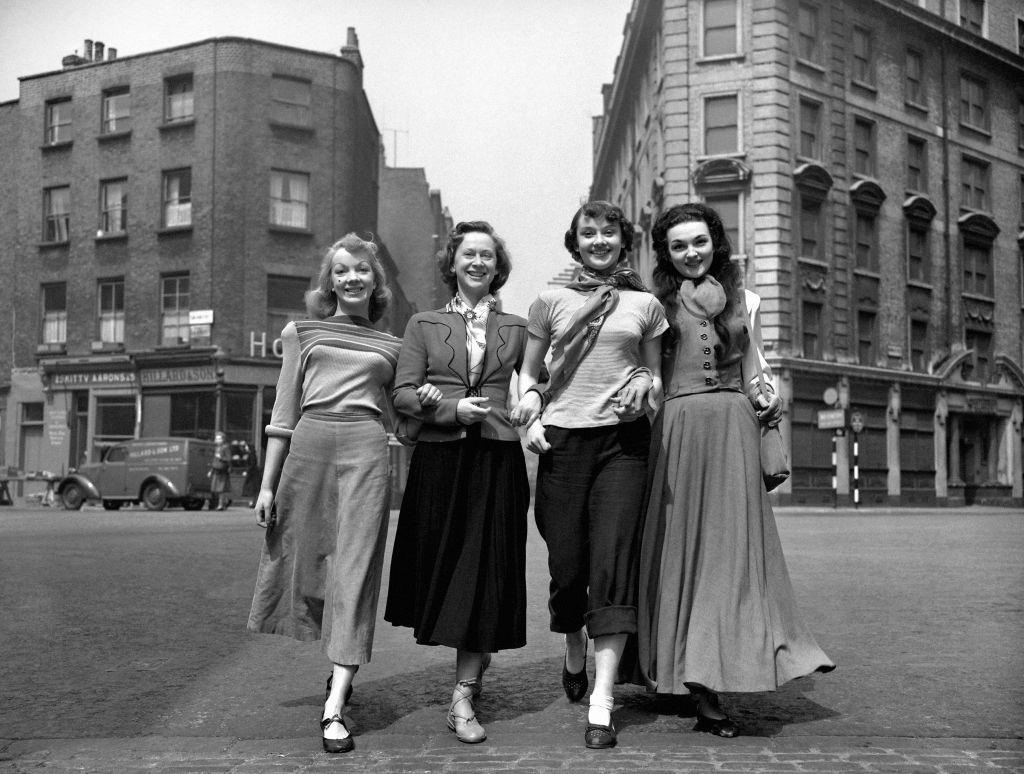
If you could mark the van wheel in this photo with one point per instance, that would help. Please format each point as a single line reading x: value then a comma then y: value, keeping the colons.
x: 154, y: 497
x: 72, y: 496
x: 112, y: 505
x: 192, y: 503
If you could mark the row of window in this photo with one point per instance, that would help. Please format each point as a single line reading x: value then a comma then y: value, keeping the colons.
x: 721, y: 33
x: 284, y: 302
x: 290, y: 103
x: 289, y: 204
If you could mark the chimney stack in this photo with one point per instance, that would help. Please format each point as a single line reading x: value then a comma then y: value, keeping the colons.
x: 87, y: 50
x: 98, y: 51
x: 111, y: 53
x: 350, y: 50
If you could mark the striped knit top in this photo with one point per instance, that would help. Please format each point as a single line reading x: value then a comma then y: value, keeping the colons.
x: 337, y: 364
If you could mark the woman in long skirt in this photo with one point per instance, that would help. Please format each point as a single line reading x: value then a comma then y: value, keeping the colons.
x: 459, y: 561
x: 324, y: 495
x: 716, y: 608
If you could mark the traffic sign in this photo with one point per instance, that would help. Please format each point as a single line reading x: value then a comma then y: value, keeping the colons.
x: 856, y: 421
x: 830, y: 419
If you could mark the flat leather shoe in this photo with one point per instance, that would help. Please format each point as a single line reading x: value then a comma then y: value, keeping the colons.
x: 336, y: 745
x: 723, y: 727
x: 598, y: 737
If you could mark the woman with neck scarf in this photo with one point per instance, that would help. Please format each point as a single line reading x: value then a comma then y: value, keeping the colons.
x: 716, y: 608
x: 458, y: 568
x: 589, y: 426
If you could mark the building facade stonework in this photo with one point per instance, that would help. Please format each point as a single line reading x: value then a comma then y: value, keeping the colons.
x: 868, y: 160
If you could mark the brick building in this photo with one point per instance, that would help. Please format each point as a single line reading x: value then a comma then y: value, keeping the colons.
x: 163, y: 216
x: 868, y: 159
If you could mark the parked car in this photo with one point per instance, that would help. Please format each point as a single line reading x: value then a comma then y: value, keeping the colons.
x: 154, y: 471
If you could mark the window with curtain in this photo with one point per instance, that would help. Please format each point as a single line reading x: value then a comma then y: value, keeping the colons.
x: 58, y: 121
x: 721, y: 119
x: 111, y: 311
x: 977, y: 262
x: 918, y: 251
x: 55, y: 313
x: 179, y: 99
x: 56, y: 214
x: 116, y: 111
x: 291, y: 99
x: 917, y: 164
x: 289, y: 198
x: 720, y: 27
x: 973, y: 184
x: 866, y: 247
x: 174, y: 309
x: 114, y: 206
x: 863, y: 61
x: 863, y: 147
x: 810, y: 228
x: 177, y: 195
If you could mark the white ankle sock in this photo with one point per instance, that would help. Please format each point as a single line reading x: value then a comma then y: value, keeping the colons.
x: 600, y: 709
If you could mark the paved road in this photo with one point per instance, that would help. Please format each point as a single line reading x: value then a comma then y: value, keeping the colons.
x: 124, y: 649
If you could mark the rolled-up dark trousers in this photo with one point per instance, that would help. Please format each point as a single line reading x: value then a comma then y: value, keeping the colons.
x: 589, y: 509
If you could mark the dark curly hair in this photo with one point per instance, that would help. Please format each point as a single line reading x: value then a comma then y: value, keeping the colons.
x: 595, y: 210
x: 667, y: 280
x: 446, y: 258
x: 321, y: 301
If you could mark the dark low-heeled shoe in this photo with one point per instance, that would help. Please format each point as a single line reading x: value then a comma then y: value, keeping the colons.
x: 327, y: 693
x: 723, y: 727
x: 598, y: 737
x: 575, y: 684
x: 336, y: 745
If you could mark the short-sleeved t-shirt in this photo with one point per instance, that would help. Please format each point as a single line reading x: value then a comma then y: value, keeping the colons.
x: 586, y: 400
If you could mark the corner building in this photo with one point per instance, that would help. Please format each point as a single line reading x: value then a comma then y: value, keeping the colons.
x: 868, y: 160
x: 165, y: 214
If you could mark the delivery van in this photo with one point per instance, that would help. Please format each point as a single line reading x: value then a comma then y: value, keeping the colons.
x: 154, y: 471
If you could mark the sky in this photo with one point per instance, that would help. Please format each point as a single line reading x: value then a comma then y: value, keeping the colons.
x: 493, y: 98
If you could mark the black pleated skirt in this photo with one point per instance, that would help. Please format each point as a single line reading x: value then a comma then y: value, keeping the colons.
x: 458, y: 570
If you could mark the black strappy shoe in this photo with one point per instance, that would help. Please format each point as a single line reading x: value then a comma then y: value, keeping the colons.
x: 336, y: 745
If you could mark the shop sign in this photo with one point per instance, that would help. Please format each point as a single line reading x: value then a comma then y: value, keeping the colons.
x: 830, y: 419
x: 981, y: 404
x: 93, y: 378
x: 259, y: 345
x: 57, y: 427
x: 184, y: 374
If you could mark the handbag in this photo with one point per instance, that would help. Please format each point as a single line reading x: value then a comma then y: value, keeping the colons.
x: 774, y: 464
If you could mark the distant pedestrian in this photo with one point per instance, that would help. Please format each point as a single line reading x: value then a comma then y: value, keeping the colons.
x: 588, y: 425
x: 324, y: 498
x: 220, y: 467
x: 716, y: 610
x: 458, y: 570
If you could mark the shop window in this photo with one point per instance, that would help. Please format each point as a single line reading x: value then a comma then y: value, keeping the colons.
x: 808, y: 16
x: 917, y: 164
x: 285, y: 301
x: 720, y: 27
x: 57, y: 214
x: 113, y: 207
x: 55, y: 313
x: 973, y: 102
x: 721, y: 122
x: 111, y: 311
x: 115, y: 422
x: 914, y: 85
x: 863, y: 147
x: 863, y: 64
x: 116, y: 111
x: 177, y: 198
x: 290, y: 100
x: 179, y: 99
x: 58, y: 122
x: 193, y: 414
x: 289, y: 199
x: 174, y: 309
x: 810, y: 129
x: 239, y: 408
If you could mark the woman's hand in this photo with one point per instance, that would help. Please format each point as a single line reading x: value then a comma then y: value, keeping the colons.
x: 469, y: 411
x: 628, y: 402
x: 428, y: 395
x: 263, y: 510
x: 769, y: 409
x: 536, y: 440
x: 526, y: 411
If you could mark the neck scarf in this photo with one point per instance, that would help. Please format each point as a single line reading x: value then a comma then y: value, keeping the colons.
x: 476, y: 331
x: 705, y: 298
x: 581, y: 333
